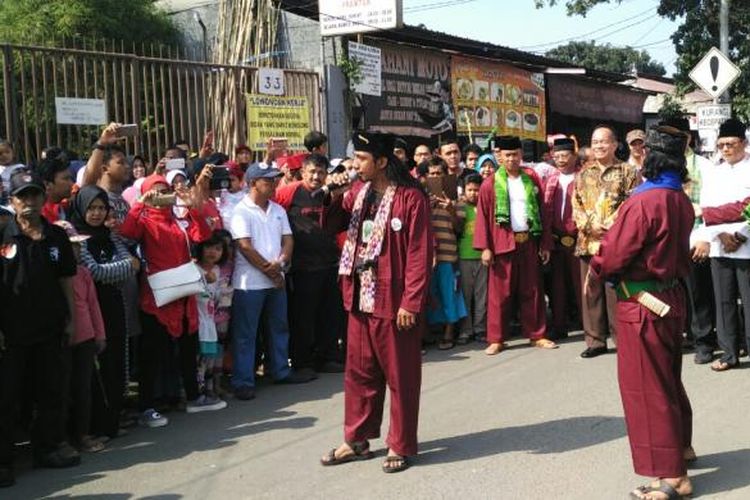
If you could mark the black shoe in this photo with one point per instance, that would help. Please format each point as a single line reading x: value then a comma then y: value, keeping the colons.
x: 703, y: 357
x: 593, y: 352
x: 298, y: 377
x: 57, y: 460
x: 7, y: 478
x: 331, y: 367
x: 244, y: 393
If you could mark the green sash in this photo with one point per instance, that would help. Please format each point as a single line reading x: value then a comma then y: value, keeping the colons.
x: 502, y: 200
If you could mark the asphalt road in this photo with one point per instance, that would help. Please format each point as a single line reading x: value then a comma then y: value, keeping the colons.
x: 528, y: 424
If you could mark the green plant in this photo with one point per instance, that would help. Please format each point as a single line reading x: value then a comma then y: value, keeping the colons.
x: 351, y: 68
x: 671, y: 108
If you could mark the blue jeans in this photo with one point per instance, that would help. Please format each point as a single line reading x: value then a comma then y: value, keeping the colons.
x: 247, y: 308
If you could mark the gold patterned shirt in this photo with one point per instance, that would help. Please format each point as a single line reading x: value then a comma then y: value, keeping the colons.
x: 599, y: 192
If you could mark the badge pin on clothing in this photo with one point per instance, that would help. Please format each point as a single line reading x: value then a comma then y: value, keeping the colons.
x: 396, y: 224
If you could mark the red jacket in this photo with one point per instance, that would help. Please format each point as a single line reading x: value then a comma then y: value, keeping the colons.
x: 488, y: 234
x: 165, y: 246
x: 405, y: 262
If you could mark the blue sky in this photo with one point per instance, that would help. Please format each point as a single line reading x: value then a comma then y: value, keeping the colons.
x: 516, y: 23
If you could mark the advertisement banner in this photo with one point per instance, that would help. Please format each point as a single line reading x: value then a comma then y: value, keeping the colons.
x: 277, y: 117
x: 415, y: 95
x: 499, y: 98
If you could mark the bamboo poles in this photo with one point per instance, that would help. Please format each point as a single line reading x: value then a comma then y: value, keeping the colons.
x: 246, y: 32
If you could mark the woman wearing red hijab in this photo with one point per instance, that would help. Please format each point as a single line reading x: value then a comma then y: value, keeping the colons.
x: 164, y: 242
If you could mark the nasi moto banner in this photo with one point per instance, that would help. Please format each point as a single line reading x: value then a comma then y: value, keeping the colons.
x: 415, y: 95
x: 277, y: 117
x: 497, y: 97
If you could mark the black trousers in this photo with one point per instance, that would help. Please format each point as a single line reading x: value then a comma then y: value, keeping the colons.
x: 108, y: 389
x: 731, y: 279
x: 77, y: 387
x: 701, y: 307
x: 154, y: 343
x: 42, y: 362
x: 317, y: 318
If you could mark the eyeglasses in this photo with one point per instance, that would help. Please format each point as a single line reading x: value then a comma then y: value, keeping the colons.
x: 733, y: 144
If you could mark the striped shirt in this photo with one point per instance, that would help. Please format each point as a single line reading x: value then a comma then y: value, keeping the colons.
x: 116, y: 271
x: 446, y: 249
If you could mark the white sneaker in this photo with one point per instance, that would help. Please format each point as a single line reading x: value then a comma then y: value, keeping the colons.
x: 152, y: 418
x: 206, y: 403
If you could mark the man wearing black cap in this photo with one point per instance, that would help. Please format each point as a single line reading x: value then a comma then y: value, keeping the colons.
x: 36, y: 321
x: 566, y: 267
x: 644, y: 256
x: 514, y: 237
x: 601, y: 187
x: 385, y: 271
x: 724, y: 195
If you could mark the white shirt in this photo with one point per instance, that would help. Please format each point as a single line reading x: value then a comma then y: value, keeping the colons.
x: 565, y: 180
x: 722, y: 184
x: 517, y: 194
x: 227, y: 202
x: 265, y: 228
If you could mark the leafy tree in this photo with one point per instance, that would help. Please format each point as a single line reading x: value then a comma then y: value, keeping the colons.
x: 607, y: 58
x: 38, y: 21
x: 698, y: 32
x: 671, y: 108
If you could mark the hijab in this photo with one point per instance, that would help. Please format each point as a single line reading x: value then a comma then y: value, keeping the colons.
x: 100, y: 244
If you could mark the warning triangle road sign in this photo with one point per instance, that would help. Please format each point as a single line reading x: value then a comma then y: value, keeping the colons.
x: 715, y: 73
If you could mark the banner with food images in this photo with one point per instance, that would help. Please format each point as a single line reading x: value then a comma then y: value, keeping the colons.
x: 497, y: 97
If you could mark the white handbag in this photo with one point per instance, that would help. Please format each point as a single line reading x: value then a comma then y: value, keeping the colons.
x: 178, y: 282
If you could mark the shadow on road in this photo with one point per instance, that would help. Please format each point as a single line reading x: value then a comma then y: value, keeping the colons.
x: 732, y: 471
x: 557, y: 436
x: 185, y: 434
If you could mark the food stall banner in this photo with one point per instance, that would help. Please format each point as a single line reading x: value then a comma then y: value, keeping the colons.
x: 415, y: 95
x: 497, y: 97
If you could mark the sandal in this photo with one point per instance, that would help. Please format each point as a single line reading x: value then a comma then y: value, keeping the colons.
x: 401, y: 464
x: 643, y: 492
x: 360, y: 451
x: 446, y: 344
x: 721, y: 366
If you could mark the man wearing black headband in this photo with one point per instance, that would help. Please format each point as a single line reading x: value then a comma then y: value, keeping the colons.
x: 565, y: 266
x: 514, y: 236
x: 644, y: 256
x: 385, y: 270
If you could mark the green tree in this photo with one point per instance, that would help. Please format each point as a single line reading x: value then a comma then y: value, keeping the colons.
x: 607, y: 58
x: 130, y: 21
x: 698, y: 32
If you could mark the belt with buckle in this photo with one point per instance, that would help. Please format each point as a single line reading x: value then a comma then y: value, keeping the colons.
x: 522, y: 237
x: 567, y: 241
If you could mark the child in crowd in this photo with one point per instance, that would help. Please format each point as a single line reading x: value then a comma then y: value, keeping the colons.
x: 224, y: 311
x: 447, y: 302
x: 473, y: 273
x: 210, y: 254
x: 88, y: 340
x: 7, y: 166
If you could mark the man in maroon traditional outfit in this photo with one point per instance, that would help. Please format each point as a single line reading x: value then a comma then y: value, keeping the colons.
x: 513, y: 235
x: 385, y: 270
x: 566, y: 267
x: 644, y: 256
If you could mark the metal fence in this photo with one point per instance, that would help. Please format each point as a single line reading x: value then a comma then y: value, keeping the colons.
x: 167, y: 96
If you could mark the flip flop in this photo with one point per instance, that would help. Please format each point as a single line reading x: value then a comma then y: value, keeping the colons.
x: 641, y: 492
x: 404, y: 464
x: 360, y: 452
x: 446, y: 345
x: 721, y: 366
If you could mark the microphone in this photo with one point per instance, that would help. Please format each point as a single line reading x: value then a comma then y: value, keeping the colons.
x: 352, y: 175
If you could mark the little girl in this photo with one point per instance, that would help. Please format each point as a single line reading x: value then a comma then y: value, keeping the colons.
x: 88, y: 340
x: 224, y: 310
x: 211, y: 254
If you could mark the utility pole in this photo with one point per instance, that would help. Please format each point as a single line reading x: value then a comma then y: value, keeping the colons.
x: 724, y: 35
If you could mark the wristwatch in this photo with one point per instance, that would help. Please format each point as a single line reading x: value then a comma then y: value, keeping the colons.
x: 100, y: 147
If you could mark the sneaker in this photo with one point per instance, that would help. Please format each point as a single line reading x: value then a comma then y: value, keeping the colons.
x: 152, y: 418
x: 244, y: 393
x: 297, y: 377
x: 205, y: 403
